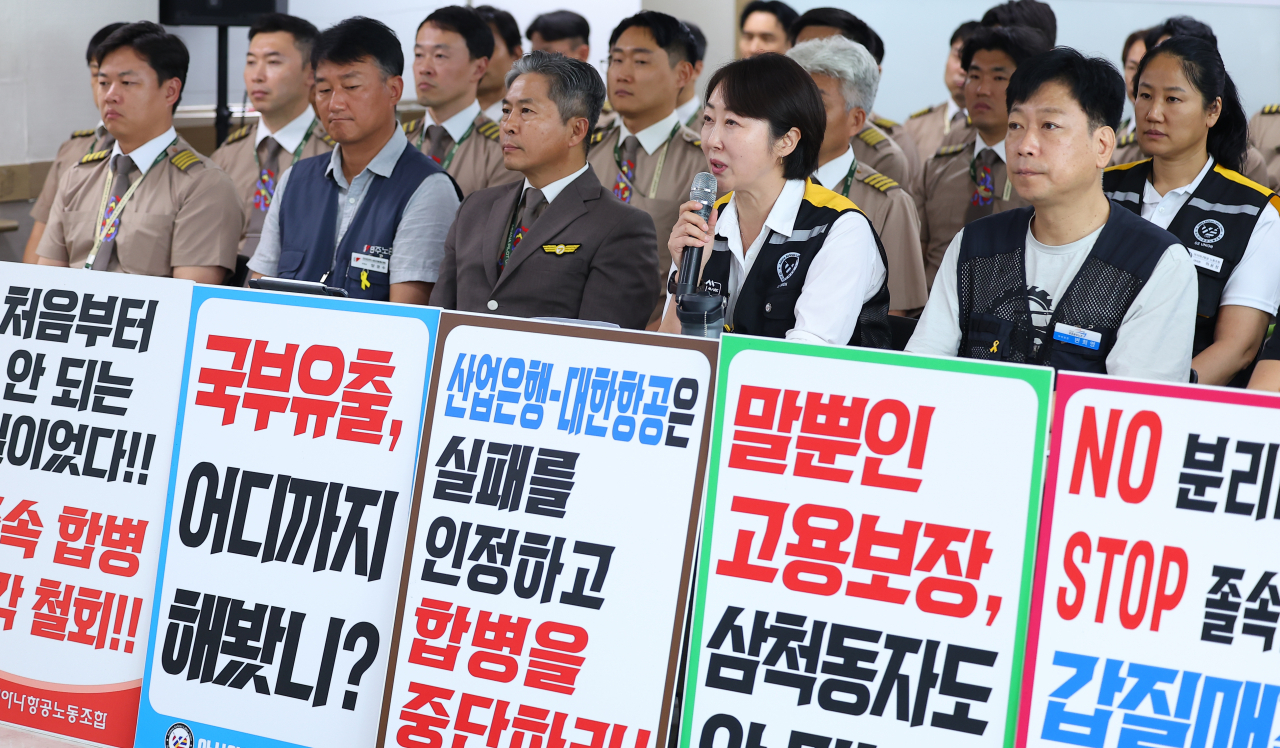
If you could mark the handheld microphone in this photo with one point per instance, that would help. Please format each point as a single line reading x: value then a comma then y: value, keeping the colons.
x: 703, y: 191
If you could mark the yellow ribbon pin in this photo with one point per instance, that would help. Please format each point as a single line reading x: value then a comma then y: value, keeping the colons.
x: 994, y: 347
x: 364, y: 280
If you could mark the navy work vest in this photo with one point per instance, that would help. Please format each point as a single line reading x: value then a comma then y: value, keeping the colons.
x: 1215, y: 226
x: 995, y: 313
x: 309, y: 223
x: 766, y: 304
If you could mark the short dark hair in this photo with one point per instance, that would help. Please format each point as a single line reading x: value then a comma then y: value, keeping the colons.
x: 774, y: 88
x: 1094, y: 83
x: 1229, y: 137
x: 1031, y: 13
x: 850, y: 26
x: 559, y: 24
x: 668, y: 32
x: 164, y: 52
x: 1180, y: 26
x: 1019, y: 42
x: 964, y: 31
x: 575, y: 86
x: 98, y: 37
x: 304, y: 32
x: 785, y: 14
x: 353, y: 39
x: 699, y: 51
x: 468, y: 24
x: 502, y: 22
x: 1138, y: 36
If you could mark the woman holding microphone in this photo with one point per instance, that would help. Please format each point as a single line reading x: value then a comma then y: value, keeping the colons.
x: 791, y: 258
x: 1188, y: 117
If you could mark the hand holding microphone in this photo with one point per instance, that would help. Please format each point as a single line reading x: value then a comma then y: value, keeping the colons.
x: 695, y: 230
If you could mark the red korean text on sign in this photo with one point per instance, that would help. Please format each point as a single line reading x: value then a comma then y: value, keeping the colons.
x: 829, y: 426
x: 304, y: 383
x: 817, y: 561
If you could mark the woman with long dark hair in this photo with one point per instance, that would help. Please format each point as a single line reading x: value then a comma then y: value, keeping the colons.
x: 1190, y: 121
x: 792, y: 258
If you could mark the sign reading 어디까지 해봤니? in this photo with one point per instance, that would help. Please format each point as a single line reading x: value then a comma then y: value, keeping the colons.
x: 92, y: 364
x: 284, y: 535
x: 867, y: 549
x: 1157, y: 595
x: 552, y: 541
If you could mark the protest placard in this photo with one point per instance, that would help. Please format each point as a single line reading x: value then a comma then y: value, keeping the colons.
x: 92, y: 367
x: 1157, y: 596
x: 552, y: 543
x: 867, y: 550
x: 285, y: 529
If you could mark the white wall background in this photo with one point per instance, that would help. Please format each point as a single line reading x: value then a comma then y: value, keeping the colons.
x: 44, y: 84
x: 916, y: 35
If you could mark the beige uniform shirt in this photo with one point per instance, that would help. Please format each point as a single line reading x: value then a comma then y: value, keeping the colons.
x: 898, y: 133
x: 942, y: 199
x: 477, y: 164
x: 930, y: 126
x: 893, y: 216
x: 660, y: 194
x: 80, y: 144
x: 1264, y: 136
x: 877, y: 150
x: 186, y: 212
x: 236, y: 157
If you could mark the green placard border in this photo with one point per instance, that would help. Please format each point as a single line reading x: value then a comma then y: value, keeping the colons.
x: 1039, y: 378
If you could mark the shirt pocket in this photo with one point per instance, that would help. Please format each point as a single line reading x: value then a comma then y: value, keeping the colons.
x: 145, y: 245
x: 779, y: 312
x: 989, y: 337
x: 78, y: 227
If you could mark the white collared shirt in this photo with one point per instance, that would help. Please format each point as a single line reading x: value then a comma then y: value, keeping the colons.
x: 687, y: 109
x: 290, y: 136
x: 146, y: 154
x: 553, y: 190
x: 1255, y: 282
x: 832, y: 173
x: 494, y: 112
x: 952, y: 109
x: 458, y: 124
x: 981, y: 145
x: 652, y: 137
x: 845, y: 274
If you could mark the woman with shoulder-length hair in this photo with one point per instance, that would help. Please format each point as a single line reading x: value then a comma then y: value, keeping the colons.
x: 793, y: 259
x: 1189, y: 119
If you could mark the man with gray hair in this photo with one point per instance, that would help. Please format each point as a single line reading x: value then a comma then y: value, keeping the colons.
x: 557, y: 243
x: 848, y: 77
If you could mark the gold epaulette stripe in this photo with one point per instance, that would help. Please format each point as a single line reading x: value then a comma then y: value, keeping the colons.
x: 327, y: 140
x: 1271, y: 109
x: 921, y: 113
x: 240, y: 134
x: 882, y: 122
x: 950, y: 150
x: 872, y: 137
x: 82, y: 133
x: 880, y: 182
x: 490, y: 130
x: 95, y: 156
x: 1127, y: 140
x: 597, y: 137
x: 410, y: 126
x: 185, y: 159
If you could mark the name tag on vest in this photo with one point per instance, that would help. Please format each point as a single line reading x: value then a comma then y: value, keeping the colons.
x: 1205, y: 260
x: 1077, y: 336
x: 373, y: 259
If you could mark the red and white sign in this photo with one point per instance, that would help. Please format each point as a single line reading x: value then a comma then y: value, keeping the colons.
x: 1157, y: 596
x: 92, y: 367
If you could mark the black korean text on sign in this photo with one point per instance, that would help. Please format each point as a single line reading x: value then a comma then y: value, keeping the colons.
x: 494, y: 548
x: 215, y: 510
x: 55, y: 315
x: 507, y: 470
x: 203, y: 629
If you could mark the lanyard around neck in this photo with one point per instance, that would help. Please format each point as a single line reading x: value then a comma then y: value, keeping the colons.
x: 101, y: 229
x: 662, y: 160
x: 448, y: 159
x: 297, y: 152
x: 848, y: 177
